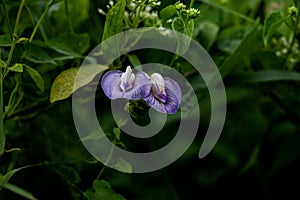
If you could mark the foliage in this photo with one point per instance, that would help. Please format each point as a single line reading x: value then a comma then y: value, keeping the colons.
x: 254, y: 43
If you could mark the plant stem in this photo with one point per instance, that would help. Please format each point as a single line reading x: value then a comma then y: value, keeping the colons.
x: 192, y: 3
x: 228, y: 10
x: 10, y: 55
x: 8, y: 21
x: 13, y: 45
x: 39, y: 22
x: 2, y: 135
x: 69, y: 16
x: 294, y: 36
x: 107, y: 160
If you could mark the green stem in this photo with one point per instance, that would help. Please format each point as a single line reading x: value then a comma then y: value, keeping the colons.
x: 10, y: 55
x: 8, y: 20
x: 39, y: 23
x: 107, y: 160
x: 294, y: 37
x: 13, y: 45
x: 69, y: 16
x: 228, y: 10
x: 192, y: 3
x: 2, y: 135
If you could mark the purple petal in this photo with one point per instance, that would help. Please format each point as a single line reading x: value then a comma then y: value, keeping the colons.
x: 110, y: 83
x: 173, y: 93
x: 111, y: 86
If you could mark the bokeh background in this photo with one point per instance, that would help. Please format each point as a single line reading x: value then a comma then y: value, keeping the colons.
x: 257, y: 155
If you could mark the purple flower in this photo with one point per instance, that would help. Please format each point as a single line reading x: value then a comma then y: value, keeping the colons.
x: 117, y: 84
x: 165, y: 94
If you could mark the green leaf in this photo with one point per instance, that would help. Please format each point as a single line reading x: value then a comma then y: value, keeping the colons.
x: 207, y: 33
x: 2, y: 64
x: 95, y: 135
x: 114, y: 20
x: 63, y: 48
x: 36, y: 52
x: 271, y: 24
x: 286, y: 154
x: 5, y: 40
x: 78, y: 13
x: 270, y: 75
x: 102, y: 191
x: 67, y: 173
x: 70, y: 43
x: 245, y: 47
x: 117, y: 133
x: 134, y: 60
x: 36, y: 77
x: 20, y: 191
x: 4, y: 180
x: 230, y: 38
x: 187, y: 29
x: 123, y: 166
x: 17, y: 67
x: 64, y: 84
x: 167, y: 13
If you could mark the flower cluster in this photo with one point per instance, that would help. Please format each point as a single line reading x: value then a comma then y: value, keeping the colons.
x: 138, y: 13
x: 292, y: 10
x: 285, y: 51
x: 161, y: 93
x: 191, y: 12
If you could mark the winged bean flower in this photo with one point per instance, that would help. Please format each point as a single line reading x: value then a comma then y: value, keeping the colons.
x: 165, y: 95
x: 117, y: 84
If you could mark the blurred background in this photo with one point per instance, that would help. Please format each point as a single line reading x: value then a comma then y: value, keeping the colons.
x: 255, y: 43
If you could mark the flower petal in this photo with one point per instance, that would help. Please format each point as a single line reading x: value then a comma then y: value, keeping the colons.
x: 111, y: 86
x: 110, y: 83
x: 127, y: 79
x: 141, y: 87
x: 173, y: 93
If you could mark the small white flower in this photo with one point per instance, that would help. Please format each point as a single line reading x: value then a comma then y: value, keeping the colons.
x: 284, y: 51
x: 101, y: 11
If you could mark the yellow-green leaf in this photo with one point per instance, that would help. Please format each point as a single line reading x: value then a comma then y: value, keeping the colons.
x: 64, y: 84
x: 16, y: 67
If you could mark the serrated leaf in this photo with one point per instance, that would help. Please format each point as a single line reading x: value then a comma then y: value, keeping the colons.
x: 244, y: 48
x: 64, y: 84
x: 17, y: 67
x: 36, y: 77
x: 271, y: 24
x: 187, y: 29
x: 123, y: 166
x: 5, y: 40
x: 114, y: 20
x: 167, y: 13
x: 102, y: 191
